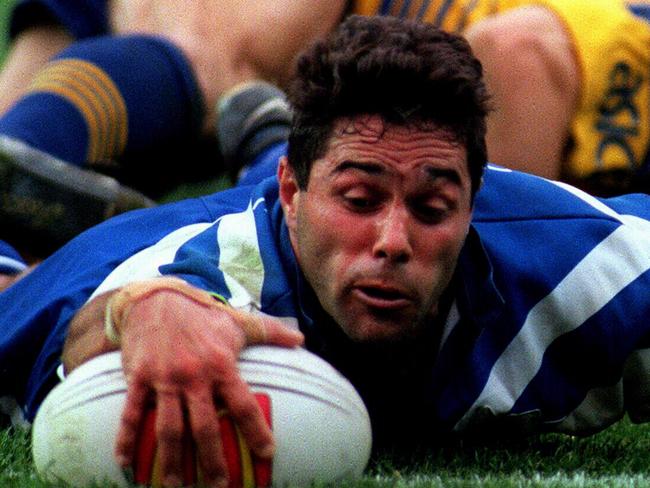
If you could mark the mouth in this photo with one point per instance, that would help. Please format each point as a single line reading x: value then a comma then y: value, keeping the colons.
x: 382, y: 297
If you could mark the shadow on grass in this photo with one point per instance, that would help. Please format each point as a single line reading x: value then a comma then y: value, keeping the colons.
x: 620, y: 450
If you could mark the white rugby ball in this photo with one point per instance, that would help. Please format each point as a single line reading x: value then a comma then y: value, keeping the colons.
x: 320, y: 424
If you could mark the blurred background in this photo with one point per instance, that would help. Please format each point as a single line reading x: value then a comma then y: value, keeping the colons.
x: 5, y: 7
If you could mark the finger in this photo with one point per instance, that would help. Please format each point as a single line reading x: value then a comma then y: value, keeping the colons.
x: 280, y: 334
x: 169, y: 432
x: 263, y: 329
x: 204, y: 423
x: 247, y: 415
x: 127, y: 436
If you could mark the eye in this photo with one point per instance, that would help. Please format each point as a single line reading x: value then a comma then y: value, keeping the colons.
x: 428, y: 212
x: 360, y: 199
x: 360, y: 203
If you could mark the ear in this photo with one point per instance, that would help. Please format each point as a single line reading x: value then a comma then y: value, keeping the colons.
x: 289, y: 192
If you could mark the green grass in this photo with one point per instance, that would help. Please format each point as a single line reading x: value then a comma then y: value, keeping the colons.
x: 617, y: 457
x: 5, y: 8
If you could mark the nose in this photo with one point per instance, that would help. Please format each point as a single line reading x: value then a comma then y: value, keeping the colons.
x: 393, y: 237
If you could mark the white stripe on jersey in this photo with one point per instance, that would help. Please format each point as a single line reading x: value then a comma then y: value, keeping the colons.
x: 584, y: 291
x: 453, y: 318
x: 603, y: 406
x: 600, y: 408
x: 591, y: 200
x: 145, y: 264
x: 13, y: 264
x: 240, y: 258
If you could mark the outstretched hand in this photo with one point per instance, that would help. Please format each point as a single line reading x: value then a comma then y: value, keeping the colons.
x: 181, y: 355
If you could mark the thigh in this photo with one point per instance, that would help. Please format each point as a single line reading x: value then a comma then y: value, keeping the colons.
x: 611, y: 127
x: 231, y: 41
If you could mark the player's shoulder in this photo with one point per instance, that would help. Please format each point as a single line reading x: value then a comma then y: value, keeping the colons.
x: 168, y: 217
x: 514, y: 196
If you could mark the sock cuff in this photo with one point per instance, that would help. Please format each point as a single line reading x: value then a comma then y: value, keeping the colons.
x: 155, y: 78
x: 130, y: 93
x: 97, y: 99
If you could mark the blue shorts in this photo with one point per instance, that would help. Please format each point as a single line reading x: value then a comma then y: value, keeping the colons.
x: 82, y: 18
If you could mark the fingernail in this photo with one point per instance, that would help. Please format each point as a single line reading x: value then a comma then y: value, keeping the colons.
x: 267, y: 451
x: 122, y: 461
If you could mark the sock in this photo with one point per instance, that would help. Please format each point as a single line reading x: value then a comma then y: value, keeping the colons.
x: 104, y: 97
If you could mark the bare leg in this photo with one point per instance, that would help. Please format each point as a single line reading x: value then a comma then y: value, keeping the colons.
x: 27, y: 55
x: 230, y: 41
x: 535, y: 92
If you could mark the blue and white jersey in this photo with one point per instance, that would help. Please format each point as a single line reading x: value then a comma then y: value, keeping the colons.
x: 10, y: 261
x: 547, y: 327
x: 560, y: 345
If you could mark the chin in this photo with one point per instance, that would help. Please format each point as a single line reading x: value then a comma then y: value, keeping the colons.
x: 379, y: 332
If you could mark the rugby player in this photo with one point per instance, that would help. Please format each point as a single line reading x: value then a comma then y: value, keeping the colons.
x: 517, y: 308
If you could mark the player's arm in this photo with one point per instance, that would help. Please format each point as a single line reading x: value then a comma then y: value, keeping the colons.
x: 534, y: 78
x: 86, y: 338
x: 179, y: 349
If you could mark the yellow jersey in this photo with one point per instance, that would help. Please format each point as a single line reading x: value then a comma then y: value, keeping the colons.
x: 610, y: 129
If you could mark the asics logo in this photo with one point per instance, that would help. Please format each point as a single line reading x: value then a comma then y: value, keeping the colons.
x: 618, y: 120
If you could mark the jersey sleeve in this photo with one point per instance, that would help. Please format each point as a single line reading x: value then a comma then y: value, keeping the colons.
x: 35, y: 311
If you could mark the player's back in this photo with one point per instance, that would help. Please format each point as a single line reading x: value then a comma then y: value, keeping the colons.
x: 451, y: 15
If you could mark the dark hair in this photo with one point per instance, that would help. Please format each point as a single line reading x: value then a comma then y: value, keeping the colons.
x: 406, y: 71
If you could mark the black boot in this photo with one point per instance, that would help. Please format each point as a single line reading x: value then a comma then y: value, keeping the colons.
x: 250, y: 118
x: 44, y: 202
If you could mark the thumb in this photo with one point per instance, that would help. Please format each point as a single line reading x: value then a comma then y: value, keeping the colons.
x: 260, y: 328
x: 280, y: 334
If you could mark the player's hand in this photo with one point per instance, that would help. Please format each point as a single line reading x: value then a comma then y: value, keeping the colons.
x: 182, y: 355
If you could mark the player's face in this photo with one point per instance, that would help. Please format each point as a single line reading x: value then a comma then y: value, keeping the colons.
x: 379, y: 228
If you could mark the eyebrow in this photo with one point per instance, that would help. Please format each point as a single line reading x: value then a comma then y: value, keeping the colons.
x: 376, y: 169
x: 448, y: 174
x: 365, y: 166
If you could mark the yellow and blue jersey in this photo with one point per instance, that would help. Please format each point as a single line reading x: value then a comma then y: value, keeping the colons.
x: 610, y: 129
x: 451, y: 15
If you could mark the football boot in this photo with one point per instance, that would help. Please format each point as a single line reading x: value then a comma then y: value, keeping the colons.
x: 44, y: 201
x: 251, y: 117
